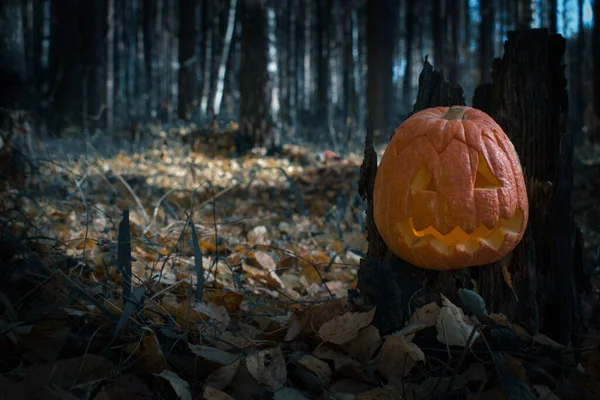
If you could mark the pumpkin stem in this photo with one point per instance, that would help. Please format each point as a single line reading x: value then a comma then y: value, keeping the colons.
x: 454, y: 113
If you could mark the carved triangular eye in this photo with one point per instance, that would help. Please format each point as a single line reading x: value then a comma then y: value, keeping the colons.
x: 423, y: 181
x: 485, y: 178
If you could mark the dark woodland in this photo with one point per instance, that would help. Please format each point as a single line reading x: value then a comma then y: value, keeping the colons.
x: 187, y: 200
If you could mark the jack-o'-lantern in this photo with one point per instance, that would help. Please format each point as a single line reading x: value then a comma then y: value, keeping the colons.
x: 449, y: 192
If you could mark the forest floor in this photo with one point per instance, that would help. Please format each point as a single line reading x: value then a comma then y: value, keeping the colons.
x: 279, y: 239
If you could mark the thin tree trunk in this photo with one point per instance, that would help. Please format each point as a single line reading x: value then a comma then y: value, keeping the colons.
x: 92, y: 34
x: 12, y: 54
x: 525, y: 16
x: 323, y: 31
x: 208, y: 27
x: 254, y: 90
x: 486, y: 39
x: 187, y: 41
x: 553, y: 15
x: 407, y: 82
x: 224, y: 57
x: 382, y: 23
x: 66, y: 68
x: 596, y: 58
x: 453, y: 9
x: 438, y: 23
x: 110, y: 64
x: 348, y: 71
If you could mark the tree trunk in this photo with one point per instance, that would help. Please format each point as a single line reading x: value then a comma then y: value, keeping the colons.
x: 438, y: 22
x: 553, y: 15
x: 93, y: 17
x: 453, y: 9
x: 254, y: 89
x: 525, y: 17
x: 187, y: 77
x: 408, y: 53
x: 12, y: 54
x: 596, y: 58
x: 323, y: 32
x: 577, y: 72
x: 350, y: 95
x: 66, y: 66
x: 381, y: 24
x: 486, y: 39
x: 528, y: 99
x: 150, y: 55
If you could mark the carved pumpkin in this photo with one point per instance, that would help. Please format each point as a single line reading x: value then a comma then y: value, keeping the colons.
x: 449, y: 192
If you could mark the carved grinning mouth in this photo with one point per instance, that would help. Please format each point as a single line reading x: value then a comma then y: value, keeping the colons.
x: 458, y: 239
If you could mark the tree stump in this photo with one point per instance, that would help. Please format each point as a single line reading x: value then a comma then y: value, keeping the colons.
x: 528, y: 99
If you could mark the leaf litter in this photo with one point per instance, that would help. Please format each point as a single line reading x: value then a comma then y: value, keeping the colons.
x: 233, y: 285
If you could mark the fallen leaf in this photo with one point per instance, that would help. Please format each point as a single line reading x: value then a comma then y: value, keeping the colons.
x: 317, y: 367
x: 426, y: 315
x: 268, y: 367
x: 222, y: 377
x: 453, y: 326
x: 211, y: 393
x: 364, y: 345
x: 212, y: 353
x: 345, y: 327
x: 397, y: 357
x: 181, y: 387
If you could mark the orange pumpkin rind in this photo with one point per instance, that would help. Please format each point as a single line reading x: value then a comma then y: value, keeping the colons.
x: 450, y: 192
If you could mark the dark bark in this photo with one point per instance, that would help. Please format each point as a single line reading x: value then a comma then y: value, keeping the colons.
x: 438, y: 23
x: 596, y: 58
x: 12, y: 54
x: 528, y: 99
x: 350, y: 95
x: 454, y: 10
x: 66, y: 70
x: 576, y: 74
x: 150, y: 54
x: 552, y: 15
x: 254, y: 89
x: 408, y: 51
x: 92, y: 40
x: 382, y: 22
x: 187, y: 77
x: 323, y: 33
x: 435, y: 91
x: 486, y: 40
x: 525, y: 16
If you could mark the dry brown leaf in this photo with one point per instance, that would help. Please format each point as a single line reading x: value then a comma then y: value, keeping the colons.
x: 381, y: 393
x: 265, y: 260
x: 258, y: 235
x: 345, y: 327
x: 317, y: 367
x: 215, y: 312
x: 211, y: 393
x: 268, y: 367
x: 222, y: 377
x: 426, y: 315
x: 149, y: 352
x: 339, y: 359
x: 364, y: 345
x: 397, y: 357
x: 308, y: 321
